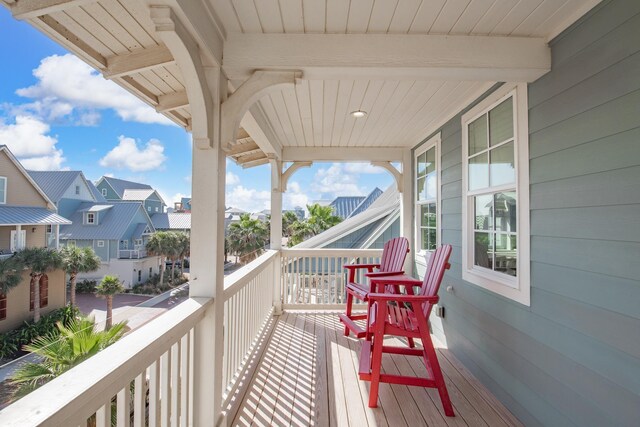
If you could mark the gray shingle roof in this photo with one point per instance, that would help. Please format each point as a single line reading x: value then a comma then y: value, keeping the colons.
x: 171, y: 221
x: 119, y: 185
x: 112, y: 223
x: 54, y: 183
x: 14, y: 215
x: 387, y: 204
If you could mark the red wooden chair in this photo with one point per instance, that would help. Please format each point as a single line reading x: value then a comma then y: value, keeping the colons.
x: 390, y: 319
x: 391, y: 263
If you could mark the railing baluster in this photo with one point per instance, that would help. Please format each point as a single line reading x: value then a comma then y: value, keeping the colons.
x: 154, y: 394
x: 175, y: 379
x: 103, y: 415
x: 185, y: 362
x: 123, y: 411
x: 165, y: 391
x: 139, y: 399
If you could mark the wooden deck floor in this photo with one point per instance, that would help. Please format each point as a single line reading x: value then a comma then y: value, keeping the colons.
x: 308, y: 376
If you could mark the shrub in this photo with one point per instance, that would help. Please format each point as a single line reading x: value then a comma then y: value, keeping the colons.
x: 12, y: 342
x: 86, y: 286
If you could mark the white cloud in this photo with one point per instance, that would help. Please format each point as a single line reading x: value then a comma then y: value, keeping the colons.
x: 29, y: 141
x: 294, y: 197
x: 127, y: 155
x: 335, y: 181
x: 248, y: 199
x: 66, y: 84
x: 232, y: 179
x: 362, y: 168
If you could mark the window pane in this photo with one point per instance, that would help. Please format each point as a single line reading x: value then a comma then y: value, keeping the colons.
x: 421, y: 189
x: 478, y: 135
x: 506, y: 254
x: 432, y: 239
x: 422, y: 164
x: 503, y: 170
x: 424, y: 241
x: 484, y: 210
x: 431, y: 189
x: 431, y: 216
x: 424, y: 215
x: 431, y: 160
x: 483, y: 250
x: 3, y: 181
x: 505, y: 211
x: 501, y: 122
x: 479, y: 172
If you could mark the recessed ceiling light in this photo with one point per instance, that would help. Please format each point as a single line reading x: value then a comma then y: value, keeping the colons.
x: 358, y: 114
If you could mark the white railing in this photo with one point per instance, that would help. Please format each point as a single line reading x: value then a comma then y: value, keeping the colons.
x: 248, y: 305
x: 146, y: 378
x: 132, y: 253
x: 316, y: 277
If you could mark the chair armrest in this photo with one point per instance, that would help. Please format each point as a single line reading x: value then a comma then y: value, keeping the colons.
x: 404, y: 298
x: 357, y: 266
x: 383, y: 273
x: 396, y: 280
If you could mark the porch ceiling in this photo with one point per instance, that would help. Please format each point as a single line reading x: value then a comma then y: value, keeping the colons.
x: 408, y: 85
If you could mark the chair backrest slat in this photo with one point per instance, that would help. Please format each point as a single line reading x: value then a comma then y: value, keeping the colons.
x: 438, y: 263
x: 394, y: 253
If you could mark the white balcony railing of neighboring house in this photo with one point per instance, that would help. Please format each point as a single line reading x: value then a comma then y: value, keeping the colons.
x: 132, y: 253
x: 149, y: 375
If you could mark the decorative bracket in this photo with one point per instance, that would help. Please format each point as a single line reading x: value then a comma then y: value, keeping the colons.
x: 186, y: 53
x: 284, y: 176
x: 392, y: 169
x: 238, y: 103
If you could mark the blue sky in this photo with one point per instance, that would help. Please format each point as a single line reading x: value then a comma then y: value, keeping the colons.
x: 56, y: 113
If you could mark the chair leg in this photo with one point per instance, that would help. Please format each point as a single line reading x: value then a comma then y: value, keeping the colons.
x: 349, y: 307
x: 412, y: 344
x: 433, y: 367
x: 376, y: 366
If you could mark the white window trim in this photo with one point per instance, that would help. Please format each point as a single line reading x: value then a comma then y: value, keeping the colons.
x: 515, y: 288
x: 4, y: 202
x: 93, y: 215
x: 422, y: 255
x: 104, y: 192
x: 100, y: 243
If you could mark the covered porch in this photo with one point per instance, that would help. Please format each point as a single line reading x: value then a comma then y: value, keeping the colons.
x: 383, y: 83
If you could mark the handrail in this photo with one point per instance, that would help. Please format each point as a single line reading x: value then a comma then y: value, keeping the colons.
x: 77, y: 393
x: 331, y: 252
x: 236, y: 280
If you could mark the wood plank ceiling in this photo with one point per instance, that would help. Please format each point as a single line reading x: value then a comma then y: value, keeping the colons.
x: 316, y: 112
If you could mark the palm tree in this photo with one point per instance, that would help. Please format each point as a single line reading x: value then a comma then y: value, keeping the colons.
x: 184, y: 249
x: 40, y: 261
x: 159, y: 244
x: 76, y: 342
x: 78, y: 260
x: 321, y: 218
x: 109, y: 286
x: 248, y: 237
x: 10, y: 274
x: 288, y: 219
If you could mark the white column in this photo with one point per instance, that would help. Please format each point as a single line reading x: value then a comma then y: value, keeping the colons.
x: 406, y: 208
x: 57, y: 231
x: 276, y: 230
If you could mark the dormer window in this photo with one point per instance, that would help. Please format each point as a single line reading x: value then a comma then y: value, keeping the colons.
x: 91, y: 218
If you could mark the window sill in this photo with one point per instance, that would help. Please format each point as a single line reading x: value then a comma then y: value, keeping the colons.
x: 511, y: 289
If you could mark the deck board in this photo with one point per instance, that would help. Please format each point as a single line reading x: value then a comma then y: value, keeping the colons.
x: 308, y: 376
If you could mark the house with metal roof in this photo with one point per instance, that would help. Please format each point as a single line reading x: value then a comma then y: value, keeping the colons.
x: 172, y: 221
x: 347, y: 206
x: 114, y: 189
x: 66, y: 189
x: 28, y: 219
x: 118, y: 233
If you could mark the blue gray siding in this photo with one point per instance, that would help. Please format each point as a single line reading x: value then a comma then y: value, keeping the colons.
x: 111, y: 195
x: 573, y: 356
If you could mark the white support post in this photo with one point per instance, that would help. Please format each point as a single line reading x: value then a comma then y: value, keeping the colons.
x: 57, y: 231
x: 276, y: 229
x: 406, y: 209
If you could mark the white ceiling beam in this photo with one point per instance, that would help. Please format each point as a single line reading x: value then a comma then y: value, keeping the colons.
x: 251, y: 158
x: 256, y: 124
x: 199, y: 19
x: 138, y: 60
x: 27, y: 9
x: 240, y: 149
x: 346, y: 154
x: 172, y: 101
x: 389, y: 56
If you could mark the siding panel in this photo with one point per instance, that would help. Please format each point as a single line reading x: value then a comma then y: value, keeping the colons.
x: 573, y: 356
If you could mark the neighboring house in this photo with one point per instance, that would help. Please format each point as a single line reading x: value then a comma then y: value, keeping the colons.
x: 184, y: 205
x: 367, y: 230
x: 232, y: 215
x: 346, y: 206
x: 118, y: 233
x: 113, y: 189
x: 28, y: 219
x: 67, y: 189
x: 172, y: 221
x: 298, y: 211
x: 263, y: 215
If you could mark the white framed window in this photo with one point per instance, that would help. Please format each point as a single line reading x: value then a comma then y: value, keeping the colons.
x: 104, y: 192
x: 495, y: 187
x: 77, y: 189
x: 49, y: 228
x: 91, y: 218
x: 124, y: 244
x: 427, y: 197
x: 149, y: 208
x: 3, y: 190
x: 156, y: 209
x: 100, y: 243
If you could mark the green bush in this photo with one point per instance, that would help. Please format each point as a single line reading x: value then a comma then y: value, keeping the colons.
x: 12, y: 342
x: 86, y: 286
